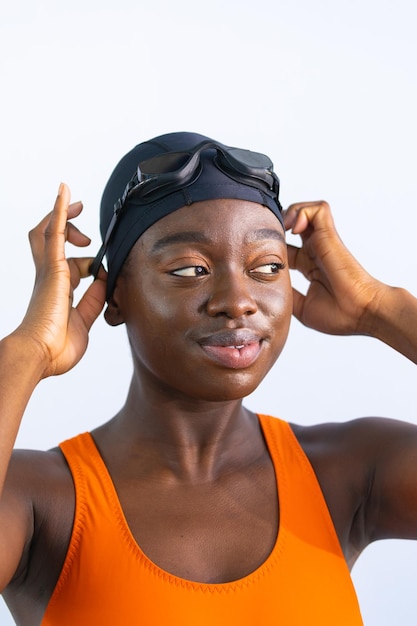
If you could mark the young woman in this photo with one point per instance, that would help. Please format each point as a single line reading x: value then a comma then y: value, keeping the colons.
x: 186, y: 508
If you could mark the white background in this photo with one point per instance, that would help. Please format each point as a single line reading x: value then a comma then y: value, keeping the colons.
x: 327, y: 88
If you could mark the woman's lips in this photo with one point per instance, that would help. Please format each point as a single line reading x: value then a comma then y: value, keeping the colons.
x: 235, y: 349
x: 232, y: 356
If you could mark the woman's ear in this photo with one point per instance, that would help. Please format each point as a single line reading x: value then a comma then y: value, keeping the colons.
x: 113, y: 313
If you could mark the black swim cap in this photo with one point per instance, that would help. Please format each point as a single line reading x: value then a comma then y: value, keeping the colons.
x: 137, y: 217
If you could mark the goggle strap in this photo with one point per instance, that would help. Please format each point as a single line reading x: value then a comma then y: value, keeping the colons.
x: 95, y: 265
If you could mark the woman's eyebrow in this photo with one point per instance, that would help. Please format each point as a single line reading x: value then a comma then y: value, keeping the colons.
x: 194, y: 236
x: 183, y: 237
x: 265, y: 233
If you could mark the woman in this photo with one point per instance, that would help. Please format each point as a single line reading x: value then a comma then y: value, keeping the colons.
x: 186, y: 507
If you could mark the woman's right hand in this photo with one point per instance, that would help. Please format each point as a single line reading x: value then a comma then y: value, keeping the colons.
x: 58, y: 330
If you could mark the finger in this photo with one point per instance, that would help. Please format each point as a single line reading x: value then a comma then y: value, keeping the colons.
x: 52, y: 224
x: 102, y: 274
x: 39, y: 230
x: 92, y: 302
x: 315, y: 217
x: 293, y: 253
x: 298, y: 304
x: 79, y: 268
x: 76, y: 237
x: 74, y: 209
x: 56, y: 229
x: 300, y: 261
x: 300, y: 215
x: 290, y: 214
x: 45, y: 229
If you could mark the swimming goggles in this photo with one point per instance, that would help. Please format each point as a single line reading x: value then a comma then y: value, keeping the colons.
x: 161, y: 175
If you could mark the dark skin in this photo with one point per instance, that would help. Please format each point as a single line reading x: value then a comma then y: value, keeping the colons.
x: 189, y: 462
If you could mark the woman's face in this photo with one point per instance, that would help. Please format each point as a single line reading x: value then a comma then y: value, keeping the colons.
x: 206, y: 299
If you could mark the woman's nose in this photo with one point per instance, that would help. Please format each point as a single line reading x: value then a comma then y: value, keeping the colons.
x: 231, y: 295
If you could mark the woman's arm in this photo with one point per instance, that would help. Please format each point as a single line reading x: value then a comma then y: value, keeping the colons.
x: 374, y: 457
x: 51, y: 339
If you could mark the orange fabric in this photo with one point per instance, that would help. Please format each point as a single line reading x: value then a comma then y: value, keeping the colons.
x: 107, y: 580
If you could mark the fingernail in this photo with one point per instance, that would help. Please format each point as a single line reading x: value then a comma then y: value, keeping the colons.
x: 60, y: 189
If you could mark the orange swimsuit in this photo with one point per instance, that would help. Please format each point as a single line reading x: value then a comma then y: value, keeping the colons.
x: 107, y: 580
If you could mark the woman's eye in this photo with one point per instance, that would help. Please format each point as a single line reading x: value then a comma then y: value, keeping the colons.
x: 192, y: 270
x: 268, y: 268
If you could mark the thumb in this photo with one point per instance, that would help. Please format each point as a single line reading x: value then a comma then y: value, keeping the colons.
x: 92, y: 302
x: 298, y: 304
